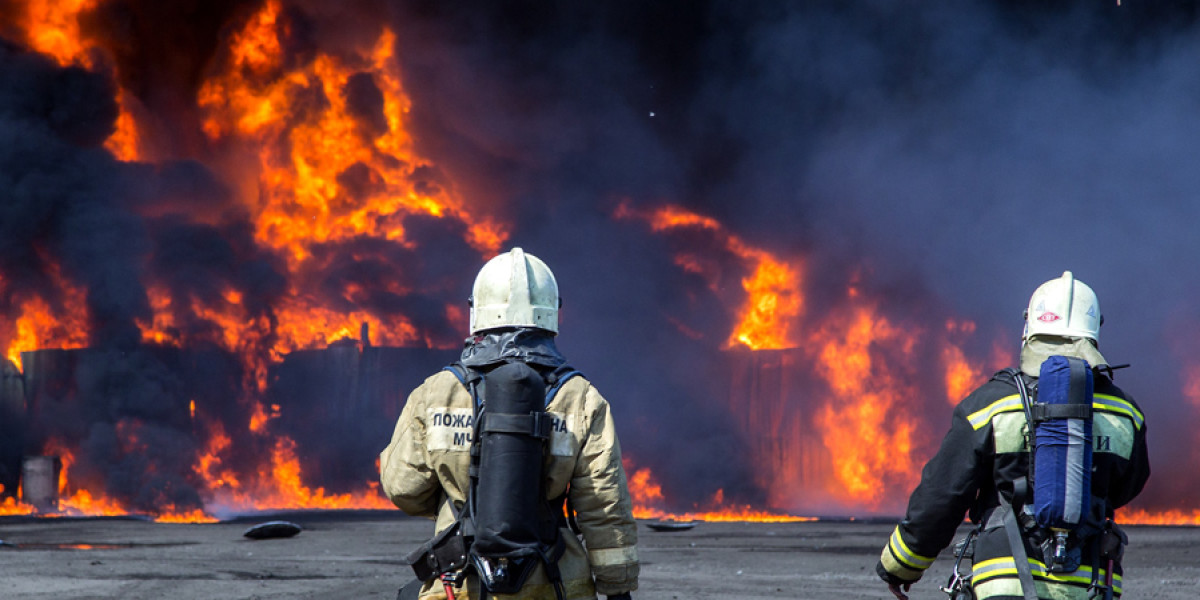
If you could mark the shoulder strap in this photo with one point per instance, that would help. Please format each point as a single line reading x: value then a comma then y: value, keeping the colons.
x: 555, y: 381
x: 470, y: 379
x: 1027, y: 405
x: 459, y: 372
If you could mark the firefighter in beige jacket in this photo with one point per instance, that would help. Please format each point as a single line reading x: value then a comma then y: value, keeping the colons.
x: 514, y: 316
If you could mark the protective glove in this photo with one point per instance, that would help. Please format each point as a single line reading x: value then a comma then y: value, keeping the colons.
x: 898, y: 587
x: 625, y: 596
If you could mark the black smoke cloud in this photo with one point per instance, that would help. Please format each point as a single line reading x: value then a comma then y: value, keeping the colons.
x: 948, y: 159
x: 957, y: 157
x: 118, y: 230
x: 63, y: 194
x: 70, y: 211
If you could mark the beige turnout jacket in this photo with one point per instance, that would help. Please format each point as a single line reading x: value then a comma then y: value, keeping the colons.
x: 426, y: 466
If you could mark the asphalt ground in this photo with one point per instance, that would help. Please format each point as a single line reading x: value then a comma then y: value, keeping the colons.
x: 356, y: 554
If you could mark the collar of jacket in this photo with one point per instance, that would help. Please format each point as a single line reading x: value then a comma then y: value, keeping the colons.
x: 529, y: 345
x: 1040, y: 347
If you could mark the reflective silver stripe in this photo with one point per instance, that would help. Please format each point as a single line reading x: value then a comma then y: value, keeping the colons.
x: 906, y: 556
x: 1077, y: 443
x: 1114, y: 433
x: 1118, y: 405
x: 603, y: 557
x: 981, y: 417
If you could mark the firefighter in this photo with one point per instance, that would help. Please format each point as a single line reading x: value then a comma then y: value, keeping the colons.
x: 983, y: 461
x: 424, y: 470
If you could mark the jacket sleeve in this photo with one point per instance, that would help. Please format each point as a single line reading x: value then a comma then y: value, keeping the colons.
x: 404, y: 470
x: 949, y: 484
x: 1130, y: 482
x: 600, y: 496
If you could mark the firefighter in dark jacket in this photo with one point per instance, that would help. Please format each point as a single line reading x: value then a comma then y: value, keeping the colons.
x: 984, y: 457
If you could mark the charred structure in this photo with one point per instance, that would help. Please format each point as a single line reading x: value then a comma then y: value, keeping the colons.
x: 130, y: 428
x: 789, y: 235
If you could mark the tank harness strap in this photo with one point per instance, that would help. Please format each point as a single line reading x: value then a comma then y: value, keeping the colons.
x: 538, y: 425
x: 550, y: 563
x: 1020, y: 558
x: 1042, y: 412
x: 459, y: 372
x: 470, y: 378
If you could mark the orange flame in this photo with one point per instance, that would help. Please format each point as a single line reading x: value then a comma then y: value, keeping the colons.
x: 78, y: 501
x: 773, y: 297
x: 304, y: 155
x: 42, y: 326
x: 853, y: 443
x: 1127, y: 516
x: 124, y: 142
x: 51, y: 27
x: 871, y: 441
x: 172, y: 515
x: 649, y: 502
x: 280, y: 486
x: 12, y: 506
x: 302, y: 201
x: 254, y: 105
x: 961, y: 375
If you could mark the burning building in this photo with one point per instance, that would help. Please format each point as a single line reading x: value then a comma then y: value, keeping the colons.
x: 789, y: 239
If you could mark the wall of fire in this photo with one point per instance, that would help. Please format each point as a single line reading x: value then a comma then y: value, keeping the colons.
x: 338, y: 404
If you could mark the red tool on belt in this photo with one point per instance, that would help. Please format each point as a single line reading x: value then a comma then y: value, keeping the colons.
x: 449, y: 580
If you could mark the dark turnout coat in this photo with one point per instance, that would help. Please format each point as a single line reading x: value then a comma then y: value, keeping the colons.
x: 981, y: 456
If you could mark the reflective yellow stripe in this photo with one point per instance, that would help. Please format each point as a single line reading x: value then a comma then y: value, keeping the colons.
x: 1108, y: 403
x: 906, y: 556
x: 1010, y: 587
x: 983, y: 416
x: 1007, y: 567
x: 1100, y: 402
x: 897, y: 568
x: 603, y: 557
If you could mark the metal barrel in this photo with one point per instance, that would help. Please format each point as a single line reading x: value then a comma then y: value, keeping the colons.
x: 39, y: 482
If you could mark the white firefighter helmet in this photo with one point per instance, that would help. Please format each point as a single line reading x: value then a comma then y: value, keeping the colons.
x: 1064, y: 307
x: 514, y: 289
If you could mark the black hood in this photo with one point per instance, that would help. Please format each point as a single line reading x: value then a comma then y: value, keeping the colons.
x: 528, y: 345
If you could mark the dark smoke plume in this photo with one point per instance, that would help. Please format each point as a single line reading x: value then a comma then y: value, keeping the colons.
x: 958, y: 156
x: 948, y: 159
